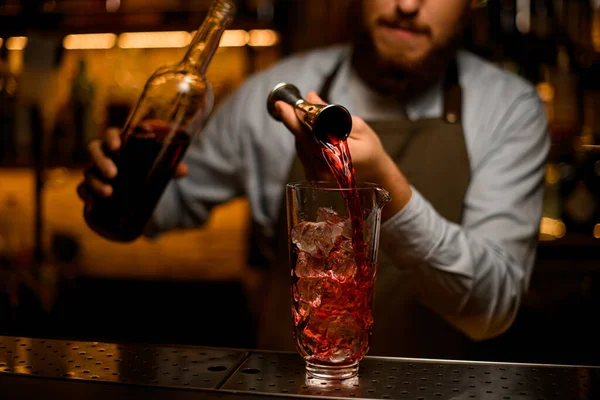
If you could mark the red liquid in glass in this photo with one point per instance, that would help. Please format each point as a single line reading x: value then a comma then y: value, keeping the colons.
x: 333, y: 282
x: 146, y: 163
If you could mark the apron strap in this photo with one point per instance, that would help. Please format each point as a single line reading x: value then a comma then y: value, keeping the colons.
x: 325, y: 89
x: 452, y: 94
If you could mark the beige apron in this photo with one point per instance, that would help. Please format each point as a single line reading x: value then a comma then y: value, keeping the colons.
x: 432, y: 155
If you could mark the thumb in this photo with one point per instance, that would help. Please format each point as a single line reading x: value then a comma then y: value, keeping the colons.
x: 313, y: 97
x: 290, y: 120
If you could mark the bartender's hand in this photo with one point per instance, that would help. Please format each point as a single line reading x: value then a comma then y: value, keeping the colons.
x: 103, y: 168
x: 371, y: 161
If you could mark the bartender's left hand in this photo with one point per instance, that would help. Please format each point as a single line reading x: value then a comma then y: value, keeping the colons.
x: 371, y: 162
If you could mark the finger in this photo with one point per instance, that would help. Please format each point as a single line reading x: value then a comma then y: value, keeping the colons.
x: 97, y: 186
x: 307, y: 148
x: 358, y: 121
x: 112, y: 139
x: 290, y: 120
x: 105, y: 165
x: 313, y: 97
x: 358, y: 124
x: 181, y: 170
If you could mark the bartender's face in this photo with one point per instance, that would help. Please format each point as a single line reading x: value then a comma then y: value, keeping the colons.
x: 406, y: 33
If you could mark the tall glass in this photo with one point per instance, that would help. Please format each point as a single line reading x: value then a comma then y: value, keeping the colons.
x: 332, y: 293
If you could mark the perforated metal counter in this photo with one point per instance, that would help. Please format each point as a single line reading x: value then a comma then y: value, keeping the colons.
x: 44, y: 368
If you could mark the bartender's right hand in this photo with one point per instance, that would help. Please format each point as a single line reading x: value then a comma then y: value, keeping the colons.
x: 103, y: 168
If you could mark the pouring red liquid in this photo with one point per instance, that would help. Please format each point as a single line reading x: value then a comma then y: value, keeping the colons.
x: 339, y: 160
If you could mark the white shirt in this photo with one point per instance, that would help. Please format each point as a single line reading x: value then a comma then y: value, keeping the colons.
x: 475, y: 274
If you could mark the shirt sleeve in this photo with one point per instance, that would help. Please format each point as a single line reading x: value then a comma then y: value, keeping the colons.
x: 214, y: 161
x: 474, y: 275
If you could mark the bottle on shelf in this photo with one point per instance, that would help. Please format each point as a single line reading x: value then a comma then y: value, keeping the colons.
x: 16, y: 238
x: 82, y: 98
x: 15, y: 247
x: 8, y: 109
x: 173, y: 106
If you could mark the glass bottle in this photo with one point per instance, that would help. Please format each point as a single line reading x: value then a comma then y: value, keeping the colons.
x: 83, y: 91
x: 8, y: 110
x: 173, y: 107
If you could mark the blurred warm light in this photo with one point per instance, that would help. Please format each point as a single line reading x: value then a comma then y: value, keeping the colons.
x: 545, y: 91
x: 263, y: 38
x: 585, y: 141
x: 57, y: 177
x: 174, y: 39
x: 597, y: 231
x: 596, y: 30
x: 523, y: 16
x: 113, y: 5
x: 234, y: 38
x: 552, y: 174
x: 9, y: 85
x: 523, y: 22
x: 553, y: 227
x: 146, y: 40
x: 1, y: 41
x: 90, y: 41
x: 16, y: 42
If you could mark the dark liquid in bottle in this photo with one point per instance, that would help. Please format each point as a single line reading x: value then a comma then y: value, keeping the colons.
x: 146, y: 163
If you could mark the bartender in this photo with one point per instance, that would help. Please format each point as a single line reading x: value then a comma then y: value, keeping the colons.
x: 459, y: 143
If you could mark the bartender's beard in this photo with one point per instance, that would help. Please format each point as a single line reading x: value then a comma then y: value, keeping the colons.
x: 400, y: 81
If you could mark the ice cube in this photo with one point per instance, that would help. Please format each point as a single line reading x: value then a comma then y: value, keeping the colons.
x: 340, y: 263
x: 339, y: 355
x: 316, y: 238
x: 327, y: 214
x: 346, y: 245
x: 333, y: 338
x: 347, y: 334
x: 346, y: 226
x: 337, y: 296
x: 310, y: 290
x: 308, y: 266
x: 307, y: 293
x: 297, y: 316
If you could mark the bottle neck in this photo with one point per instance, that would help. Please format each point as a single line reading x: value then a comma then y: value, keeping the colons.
x: 206, y: 40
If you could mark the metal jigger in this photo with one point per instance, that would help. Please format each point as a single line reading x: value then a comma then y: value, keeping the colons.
x: 329, y: 123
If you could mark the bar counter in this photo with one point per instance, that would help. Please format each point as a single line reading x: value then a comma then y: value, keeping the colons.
x: 51, y: 368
